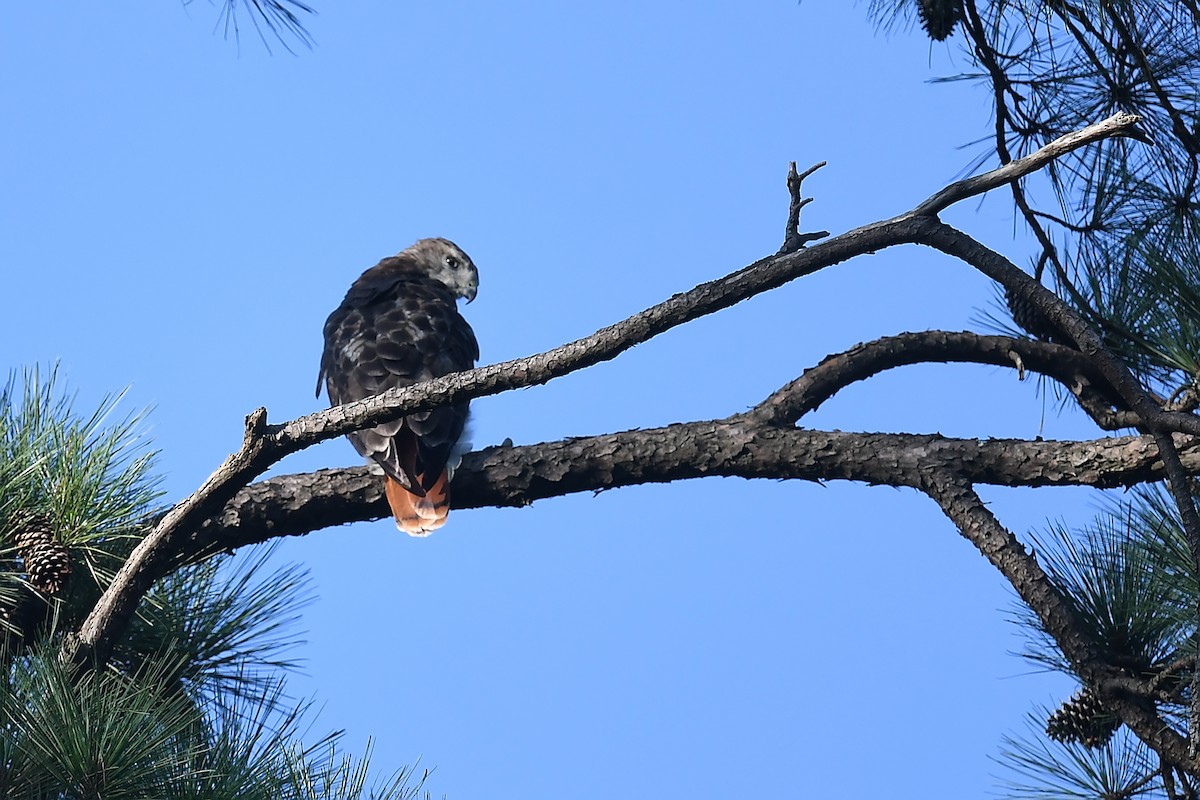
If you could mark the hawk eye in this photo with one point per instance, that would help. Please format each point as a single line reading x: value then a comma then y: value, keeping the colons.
x: 452, y: 262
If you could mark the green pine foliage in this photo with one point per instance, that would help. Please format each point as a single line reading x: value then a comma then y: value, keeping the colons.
x: 1120, y: 577
x: 1117, y: 225
x: 1115, y: 232
x: 236, y: 626
x: 1037, y: 769
x: 271, y: 19
x: 192, y: 706
x: 91, y: 474
x: 1131, y: 582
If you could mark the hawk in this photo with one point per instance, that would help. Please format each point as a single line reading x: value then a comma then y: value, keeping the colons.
x: 399, y: 325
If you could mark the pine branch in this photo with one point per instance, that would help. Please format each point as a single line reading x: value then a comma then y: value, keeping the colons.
x: 1116, y: 125
x: 280, y: 18
x: 516, y: 476
x: 1064, y: 364
x: 263, y: 444
x: 793, y: 239
x: 1161, y: 422
x: 976, y: 522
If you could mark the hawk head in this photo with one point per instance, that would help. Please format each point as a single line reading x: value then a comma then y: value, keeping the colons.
x: 445, y: 262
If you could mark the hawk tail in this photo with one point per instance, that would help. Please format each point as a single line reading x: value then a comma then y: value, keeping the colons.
x: 419, y: 516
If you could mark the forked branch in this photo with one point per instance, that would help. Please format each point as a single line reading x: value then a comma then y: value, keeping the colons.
x: 963, y: 506
x: 264, y: 445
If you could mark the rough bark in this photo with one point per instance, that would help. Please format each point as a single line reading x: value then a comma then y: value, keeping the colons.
x: 515, y: 476
x: 1119, y: 691
x: 229, y: 511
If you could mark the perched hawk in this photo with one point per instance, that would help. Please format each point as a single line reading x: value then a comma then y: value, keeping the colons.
x: 399, y: 325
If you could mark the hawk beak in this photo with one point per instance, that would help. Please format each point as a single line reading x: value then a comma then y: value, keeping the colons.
x: 472, y: 290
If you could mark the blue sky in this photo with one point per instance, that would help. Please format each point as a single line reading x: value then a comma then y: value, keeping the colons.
x: 180, y: 214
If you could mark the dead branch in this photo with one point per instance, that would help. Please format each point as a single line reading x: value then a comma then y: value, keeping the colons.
x: 264, y: 445
x: 516, y: 476
x: 1117, y: 125
x: 805, y: 394
x: 508, y: 476
x: 793, y: 239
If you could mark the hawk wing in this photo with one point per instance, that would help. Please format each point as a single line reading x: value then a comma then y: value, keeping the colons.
x: 392, y: 331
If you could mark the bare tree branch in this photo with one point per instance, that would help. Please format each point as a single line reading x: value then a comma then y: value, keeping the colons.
x: 955, y: 243
x: 805, y: 394
x: 1160, y: 422
x: 969, y: 513
x: 1116, y: 125
x: 516, y: 476
x: 793, y: 239
x: 264, y: 445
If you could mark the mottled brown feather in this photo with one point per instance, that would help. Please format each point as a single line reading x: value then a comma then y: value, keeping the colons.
x: 398, y: 325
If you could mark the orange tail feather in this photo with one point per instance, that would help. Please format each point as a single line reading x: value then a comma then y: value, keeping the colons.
x: 419, y: 516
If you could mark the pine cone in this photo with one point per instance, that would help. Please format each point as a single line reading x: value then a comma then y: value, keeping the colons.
x: 48, y: 567
x: 939, y: 17
x: 1083, y: 719
x: 1029, y: 318
x: 34, y: 530
x: 47, y: 561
